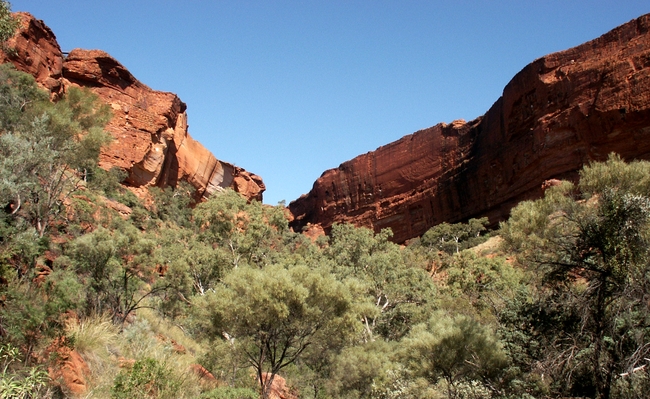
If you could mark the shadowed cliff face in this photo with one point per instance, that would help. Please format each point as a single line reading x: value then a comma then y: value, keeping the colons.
x: 149, y: 127
x: 560, y: 112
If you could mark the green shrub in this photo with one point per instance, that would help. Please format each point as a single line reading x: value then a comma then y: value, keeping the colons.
x: 148, y: 378
x: 20, y: 382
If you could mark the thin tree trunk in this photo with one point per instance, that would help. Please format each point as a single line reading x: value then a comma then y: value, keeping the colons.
x: 602, y: 372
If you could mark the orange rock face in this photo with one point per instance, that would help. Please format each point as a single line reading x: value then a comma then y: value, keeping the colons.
x: 279, y: 388
x: 149, y: 127
x: 559, y: 113
x: 69, y: 369
x: 36, y: 51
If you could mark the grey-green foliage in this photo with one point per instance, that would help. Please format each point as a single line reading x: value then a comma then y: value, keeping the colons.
x: 31, y: 310
x: 221, y: 217
x: 18, y: 91
x: 192, y: 267
x: 456, y: 349
x: 112, y: 266
x: 399, y: 383
x: 615, y: 174
x: 199, y: 247
x: 401, y: 294
x: 108, y: 181
x: 174, y: 203
x: 451, y: 238
x: 358, y: 371
x: 8, y: 23
x: 375, y: 370
x: 45, y: 148
x: 592, y: 259
x: 146, y: 379
x: 486, y: 284
x: 271, y: 315
x: 251, y: 233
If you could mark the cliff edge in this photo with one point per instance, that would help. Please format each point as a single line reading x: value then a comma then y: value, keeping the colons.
x: 557, y: 114
x: 151, y: 141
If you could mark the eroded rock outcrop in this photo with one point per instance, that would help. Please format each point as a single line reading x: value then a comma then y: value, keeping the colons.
x: 149, y: 127
x: 34, y: 50
x: 279, y: 388
x: 560, y: 112
x: 67, y: 367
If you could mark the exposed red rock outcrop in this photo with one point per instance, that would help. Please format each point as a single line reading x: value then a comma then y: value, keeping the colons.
x: 151, y: 139
x: 279, y: 388
x: 206, y: 379
x: 559, y: 113
x: 68, y: 369
x: 313, y: 231
x: 34, y: 50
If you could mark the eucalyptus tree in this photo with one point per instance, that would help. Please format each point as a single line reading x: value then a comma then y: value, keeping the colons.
x: 456, y: 349
x: 401, y: 294
x: 272, y: 315
x: 452, y: 238
x: 46, y: 149
x: 250, y: 232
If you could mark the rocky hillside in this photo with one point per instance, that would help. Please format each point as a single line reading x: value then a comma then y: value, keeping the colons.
x: 560, y: 112
x: 149, y: 127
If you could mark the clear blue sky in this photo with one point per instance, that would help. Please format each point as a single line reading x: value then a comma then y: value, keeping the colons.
x: 289, y: 89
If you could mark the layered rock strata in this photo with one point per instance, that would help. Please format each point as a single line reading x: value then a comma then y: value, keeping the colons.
x: 557, y: 114
x: 149, y: 127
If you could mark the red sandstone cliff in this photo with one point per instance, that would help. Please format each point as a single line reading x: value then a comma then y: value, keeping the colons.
x: 149, y: 127
x: 560, y: 112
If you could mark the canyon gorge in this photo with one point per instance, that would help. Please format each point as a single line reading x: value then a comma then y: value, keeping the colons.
x: 557, y: 114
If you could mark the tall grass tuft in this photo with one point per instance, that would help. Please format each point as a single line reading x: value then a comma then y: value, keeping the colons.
x: 93, y: 336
